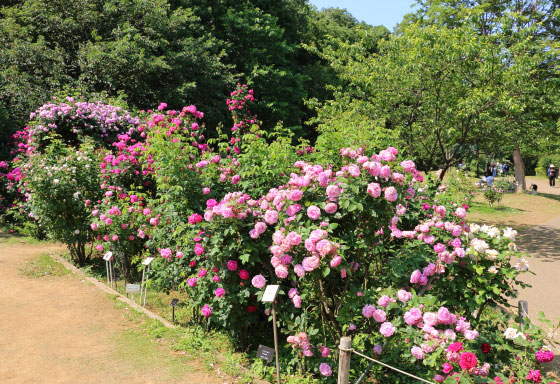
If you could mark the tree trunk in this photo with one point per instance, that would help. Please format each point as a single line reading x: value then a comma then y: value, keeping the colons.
x: 519, y: 170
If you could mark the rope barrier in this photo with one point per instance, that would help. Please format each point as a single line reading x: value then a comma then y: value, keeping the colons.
x: 386, y: 365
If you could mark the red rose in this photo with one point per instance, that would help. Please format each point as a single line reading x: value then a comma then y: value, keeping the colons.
x: 468, y: 361
x: 485, y: 347
x: 251, y: 308
x: 243, y: 274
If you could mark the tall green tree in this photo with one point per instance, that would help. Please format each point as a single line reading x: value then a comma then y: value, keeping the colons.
x: 527, y: 31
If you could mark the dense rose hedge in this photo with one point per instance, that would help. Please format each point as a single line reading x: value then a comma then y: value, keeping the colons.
x: 367, y: 249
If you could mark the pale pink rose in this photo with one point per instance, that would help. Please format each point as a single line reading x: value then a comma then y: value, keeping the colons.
x: 313, y: 212
x: 391, y: 194
x: 374, y: 190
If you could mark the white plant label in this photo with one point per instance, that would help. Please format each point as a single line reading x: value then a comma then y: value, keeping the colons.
x: 270, y: 293
x: 148, y: 260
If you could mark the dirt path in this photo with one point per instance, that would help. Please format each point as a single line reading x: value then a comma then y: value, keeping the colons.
x: 542, y: 241
x: 64, y: 330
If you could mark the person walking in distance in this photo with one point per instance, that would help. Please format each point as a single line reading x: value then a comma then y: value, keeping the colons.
x: 551, y: 172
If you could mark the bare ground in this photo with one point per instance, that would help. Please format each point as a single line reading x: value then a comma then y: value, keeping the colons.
x: 64, y: 330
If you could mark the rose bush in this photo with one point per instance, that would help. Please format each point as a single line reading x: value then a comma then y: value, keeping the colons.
x: 365, y: 248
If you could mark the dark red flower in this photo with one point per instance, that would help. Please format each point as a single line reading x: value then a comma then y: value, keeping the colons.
x: 485, y: 347
x: 251, y: 308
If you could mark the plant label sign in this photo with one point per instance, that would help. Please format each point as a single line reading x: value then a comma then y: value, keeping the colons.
x: 133, y: 288
x: 148, y: 260
x: 174, y: 302
x: 108, y: 256
x: 265, y: 353
x: 270, y: 293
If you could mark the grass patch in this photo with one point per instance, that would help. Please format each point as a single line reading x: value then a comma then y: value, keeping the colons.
x: 44, y: 265
x: 7, y: 238
x: 485, y: 209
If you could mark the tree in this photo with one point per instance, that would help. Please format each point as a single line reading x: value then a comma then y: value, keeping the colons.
x: 526, y: 31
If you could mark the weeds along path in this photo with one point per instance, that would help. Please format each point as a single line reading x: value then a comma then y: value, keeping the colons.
x: 60, y: 329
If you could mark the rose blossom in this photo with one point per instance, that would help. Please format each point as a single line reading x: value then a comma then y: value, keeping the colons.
x: 387, y: 329
x: 374, y: 190
x: 468, y: 361
x: 313, y: 212
x: 325, y: 369
x: 258, y: 281
x: 206, y: 311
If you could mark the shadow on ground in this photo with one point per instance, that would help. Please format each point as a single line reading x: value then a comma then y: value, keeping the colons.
x: 541, y: 242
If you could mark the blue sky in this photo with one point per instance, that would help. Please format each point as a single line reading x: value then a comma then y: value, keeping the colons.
x: 374, y: 12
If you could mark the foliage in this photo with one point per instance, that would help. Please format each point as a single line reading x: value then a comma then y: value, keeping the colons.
x: 492, y: 193
x: 358, y: 245
x: 58, y: 183
x: 459, y: 187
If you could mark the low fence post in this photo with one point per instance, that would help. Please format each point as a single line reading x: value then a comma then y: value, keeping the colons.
x: 523, y: 311
x: 344, y: 357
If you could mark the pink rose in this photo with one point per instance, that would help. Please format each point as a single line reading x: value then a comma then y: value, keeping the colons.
x: 271, y: 217
x: 387, y: 329
x: 374, y: 189
x: 258, y: 281
x: 206, y: 311
x: 232, y: 265
x: 331, y: 208
x: 313, y: 212
x: 391, y: 194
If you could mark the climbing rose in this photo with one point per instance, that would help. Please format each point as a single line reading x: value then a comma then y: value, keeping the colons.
x: 206, y: 311
x: 468, y: 361
x: 192, y: 282
x: 219, y: 292
x: 486, y: 348
x: 258, y: 281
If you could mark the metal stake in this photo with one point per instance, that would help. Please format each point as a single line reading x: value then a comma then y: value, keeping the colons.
x: 275, y: 341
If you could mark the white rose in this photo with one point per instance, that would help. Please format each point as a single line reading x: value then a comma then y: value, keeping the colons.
x: 493, y: 232
x: 523, y: 265
x: 479, y: 245
x: 77, y: 232
x: 56, y: 181
x: 510, y: 233
x: 510, y: 333
x: 493, y: 270
x: 474, y: 228
x: 492, y: 254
